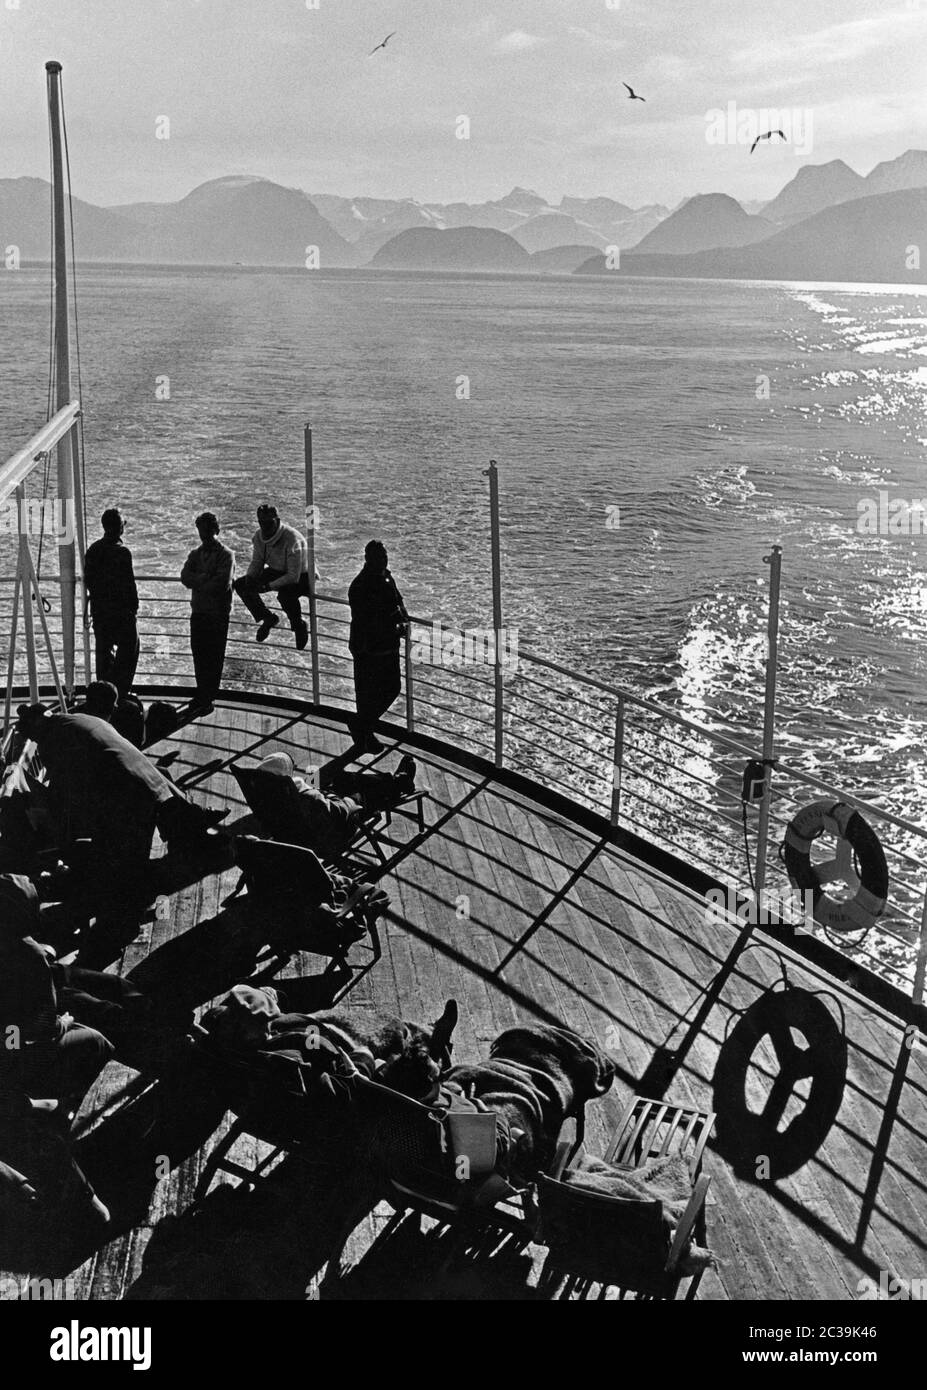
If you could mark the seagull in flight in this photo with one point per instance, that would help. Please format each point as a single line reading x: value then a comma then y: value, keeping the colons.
x: 632, y: 95
x: 381, y: 45
x: 768, y: 136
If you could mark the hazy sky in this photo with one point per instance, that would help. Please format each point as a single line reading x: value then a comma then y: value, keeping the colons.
x: 277, y: 88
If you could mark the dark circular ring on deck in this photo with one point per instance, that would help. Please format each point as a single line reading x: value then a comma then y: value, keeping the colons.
x: 745, y: 1137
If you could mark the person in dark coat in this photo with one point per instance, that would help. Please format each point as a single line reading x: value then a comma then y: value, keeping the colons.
x: 106, y: 790
x: 46, y: 1051
x: 378, y: 622
x: 110, y: 581
x: 208, y: 575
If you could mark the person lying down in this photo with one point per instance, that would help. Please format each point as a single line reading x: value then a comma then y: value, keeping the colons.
x: 307, y: 1049
x: 327, y: 820
x: 310, y: 1053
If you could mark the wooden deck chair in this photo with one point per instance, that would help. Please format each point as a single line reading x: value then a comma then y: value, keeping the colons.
x: 596, y: 1238
x: 276, y: 804
x: 282, y: 1116
x: 298, y: 906
x: 426, y: 1161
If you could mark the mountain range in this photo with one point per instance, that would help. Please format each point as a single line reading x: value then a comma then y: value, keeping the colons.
x: 248, y: 220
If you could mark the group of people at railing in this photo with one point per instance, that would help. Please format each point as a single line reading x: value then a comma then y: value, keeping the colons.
x: 279, y: 565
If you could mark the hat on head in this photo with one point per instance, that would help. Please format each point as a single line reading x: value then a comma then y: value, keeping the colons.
x: 278, y: 764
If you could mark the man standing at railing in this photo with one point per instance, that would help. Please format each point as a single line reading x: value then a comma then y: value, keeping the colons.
x: 279, y: 563
x: 110, y: 581
x: 378, y: 622
x: 208, y: 575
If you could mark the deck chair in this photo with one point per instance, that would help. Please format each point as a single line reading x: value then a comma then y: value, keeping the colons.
x: 597, y: 1238
x: 299, y: 905
x: 275, y: 803
x: 424, y: 1160
x: 280, y: 1115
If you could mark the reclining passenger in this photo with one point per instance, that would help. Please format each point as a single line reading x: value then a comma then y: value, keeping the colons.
x: 328, y: 820
x: 59, y: 1025
x: 307, y: 1050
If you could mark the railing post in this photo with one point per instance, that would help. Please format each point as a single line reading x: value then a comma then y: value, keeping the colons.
x: 311, y: 516
x: 920, y: 968
x: 26, y: 582
x: 67, y: 472
x: 618, y: 760
x: 410, y: 698
x: 493, y: 474
x: 11, y: 660
x: 774, y: 560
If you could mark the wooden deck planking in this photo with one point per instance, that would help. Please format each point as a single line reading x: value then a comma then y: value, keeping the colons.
x: 618, y: 945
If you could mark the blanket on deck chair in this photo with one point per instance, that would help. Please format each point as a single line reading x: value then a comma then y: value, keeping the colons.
x: 661, y: 1179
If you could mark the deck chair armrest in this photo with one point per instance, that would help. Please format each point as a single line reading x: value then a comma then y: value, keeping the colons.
x: 561, y: 1159
x: 686, y: 1225
x: 356, y: 896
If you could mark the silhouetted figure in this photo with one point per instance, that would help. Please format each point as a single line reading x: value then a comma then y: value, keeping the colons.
x: 378, y: 622
x: 57, y: 1054
x: 208, y: 575
x: 100, y: 699
x: 280, y: 564
x: 104, y: 789
x: 113, y: 596
x: 327, y: 820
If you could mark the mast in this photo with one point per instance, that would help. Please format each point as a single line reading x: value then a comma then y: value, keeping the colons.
x: 66, y: 489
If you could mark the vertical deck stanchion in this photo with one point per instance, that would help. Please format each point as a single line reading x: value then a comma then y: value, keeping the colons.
x: 618, y: 760
x: 66, y: 471
x: 26, y: 583
x: 920, y: 969
x: 11, y: 660
x: 410, y: 697
x: 310, y: 537
x: 492, y: 473
x: 774, y: 560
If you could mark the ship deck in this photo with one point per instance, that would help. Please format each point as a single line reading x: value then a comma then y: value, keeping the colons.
x: 560, y: 925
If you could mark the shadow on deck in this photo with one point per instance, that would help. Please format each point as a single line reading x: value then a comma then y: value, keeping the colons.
x: 519, y: 914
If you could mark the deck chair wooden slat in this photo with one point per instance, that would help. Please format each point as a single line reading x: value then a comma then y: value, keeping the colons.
x: 619, y: 1241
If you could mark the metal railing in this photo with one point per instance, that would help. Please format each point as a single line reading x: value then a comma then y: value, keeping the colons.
x: 649, y: 769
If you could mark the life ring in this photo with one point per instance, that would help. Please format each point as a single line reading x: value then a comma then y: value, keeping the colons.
x: 856, y: 842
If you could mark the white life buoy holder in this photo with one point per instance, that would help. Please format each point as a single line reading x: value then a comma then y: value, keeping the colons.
x: 859, y: 858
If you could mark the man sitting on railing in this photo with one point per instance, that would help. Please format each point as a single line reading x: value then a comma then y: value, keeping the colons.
x: 327, y: 820
x: 279, y: 563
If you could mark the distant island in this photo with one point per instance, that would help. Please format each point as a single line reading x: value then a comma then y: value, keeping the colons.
x: 457, y: 248
x: 828, y: 222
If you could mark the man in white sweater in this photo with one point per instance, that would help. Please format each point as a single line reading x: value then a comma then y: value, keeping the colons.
x: 279, y: 563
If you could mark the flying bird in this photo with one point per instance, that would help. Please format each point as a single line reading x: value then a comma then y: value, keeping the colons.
x: 768, y: 136
x: 381, y: 45
x: 632, y: 95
